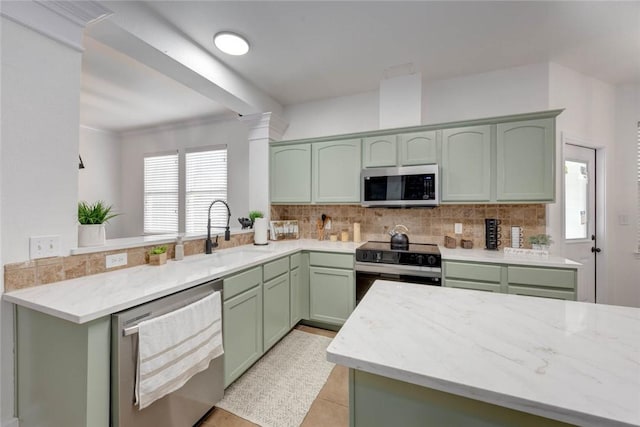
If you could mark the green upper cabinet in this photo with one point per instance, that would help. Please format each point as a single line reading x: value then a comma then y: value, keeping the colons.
x: 418, y: 148
x: 525, y: 160
x: 336, y: 171
x: 290, y: 173
x: 379, y: 151
x: 466, y: 164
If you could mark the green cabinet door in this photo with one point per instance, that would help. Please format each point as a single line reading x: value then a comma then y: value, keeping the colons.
x: 379, y: 151
x: 525, y: 160
x: 242, y: 329
x: 276, y: 309
x: 295, y: 280
x: 418, y: 148
x: 332, y: 294
x: 336, y: 171
x: 466, y: 164
x: 290, y: 173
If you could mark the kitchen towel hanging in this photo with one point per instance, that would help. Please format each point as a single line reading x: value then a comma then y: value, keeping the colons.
x: 174, y: 347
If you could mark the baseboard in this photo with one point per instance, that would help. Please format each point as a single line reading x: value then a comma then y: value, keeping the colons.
x: 12, y: 422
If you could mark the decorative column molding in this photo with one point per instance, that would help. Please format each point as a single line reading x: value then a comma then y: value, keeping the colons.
x: 263, y: 128
x: 268, y: 126
x: 63, y: 21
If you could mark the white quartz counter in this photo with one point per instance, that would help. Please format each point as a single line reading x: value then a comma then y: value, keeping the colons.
x: 499, y: 257
x: 91, y: 297
x: 570, y: 361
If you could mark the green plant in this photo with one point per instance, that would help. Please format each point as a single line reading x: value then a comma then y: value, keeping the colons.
x: 540, y: 239
x: 158, y: 250
x: 255, y: 214
x: 94, y: 213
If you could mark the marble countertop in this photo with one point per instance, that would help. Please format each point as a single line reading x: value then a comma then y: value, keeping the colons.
x: 91, y: 297
x: 570, y: 361
x: 483, y: 255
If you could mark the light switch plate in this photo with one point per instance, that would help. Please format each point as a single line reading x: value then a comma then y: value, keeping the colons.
x: 458, y: 228
x: 115, y: 260
x: 44, y: 246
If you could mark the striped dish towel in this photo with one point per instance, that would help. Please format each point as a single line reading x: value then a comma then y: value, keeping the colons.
x: 174, y: 347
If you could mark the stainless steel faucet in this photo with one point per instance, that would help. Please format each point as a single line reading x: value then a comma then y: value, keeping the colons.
x: 208, y: 244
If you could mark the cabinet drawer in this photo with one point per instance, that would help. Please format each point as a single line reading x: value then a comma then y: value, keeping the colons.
x: 294, y: 261
x: 239, y: 283
x: 327, y: 259
x: 555, y: 278
x: 541, y: 292
x: 478, y: 286
x: 275, y: 268
x: 463, y: 270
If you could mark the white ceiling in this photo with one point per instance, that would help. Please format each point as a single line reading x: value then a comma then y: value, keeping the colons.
x: 308, y: 50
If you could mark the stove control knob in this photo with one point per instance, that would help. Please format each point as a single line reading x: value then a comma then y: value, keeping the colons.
x: 419, y: 260
x: 364, y: 255
x: 378, y: 256
x: 431, y: 260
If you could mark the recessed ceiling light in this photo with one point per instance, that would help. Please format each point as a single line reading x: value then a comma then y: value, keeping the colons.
x: 231, y: 43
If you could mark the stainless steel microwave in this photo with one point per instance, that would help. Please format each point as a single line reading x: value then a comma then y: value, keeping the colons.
x: 409, y: 186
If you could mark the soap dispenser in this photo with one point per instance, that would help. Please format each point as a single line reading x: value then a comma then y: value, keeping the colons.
x: 179, y: 251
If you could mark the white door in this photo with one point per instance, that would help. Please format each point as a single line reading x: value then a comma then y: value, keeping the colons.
x: 580, y: 216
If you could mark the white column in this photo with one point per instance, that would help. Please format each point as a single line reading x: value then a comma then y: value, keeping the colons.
x: 263, y: 128
x: 401, y: 101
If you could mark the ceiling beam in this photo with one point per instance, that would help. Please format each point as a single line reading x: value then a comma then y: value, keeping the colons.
x: 137, y: 31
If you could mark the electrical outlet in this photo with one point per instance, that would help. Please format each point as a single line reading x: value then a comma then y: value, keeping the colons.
x: 44, y: 246
x: 458, y: 228
x: 116, y: 260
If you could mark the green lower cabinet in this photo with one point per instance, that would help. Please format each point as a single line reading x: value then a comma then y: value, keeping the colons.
x: 546, y: 282
x: 242, y: 332
x: 63, y: 371
x: 331, y: 294
x: 377, y: 401
x: 276, y: 315
x: 295, y: 296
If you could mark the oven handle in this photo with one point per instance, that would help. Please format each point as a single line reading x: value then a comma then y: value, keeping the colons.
x: 406, y: 270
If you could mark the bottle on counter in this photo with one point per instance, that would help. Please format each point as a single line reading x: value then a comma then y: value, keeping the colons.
x: 179, y: 251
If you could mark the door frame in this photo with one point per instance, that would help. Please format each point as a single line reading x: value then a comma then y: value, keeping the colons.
x: 601, y: 291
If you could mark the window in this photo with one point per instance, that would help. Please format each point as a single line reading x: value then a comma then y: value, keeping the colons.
x: 206, y: 181
x: 638, y: 177
x: 161, y: 194
x: 177, y: 202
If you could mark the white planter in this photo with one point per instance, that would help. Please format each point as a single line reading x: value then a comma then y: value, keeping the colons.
x: 90, y: 235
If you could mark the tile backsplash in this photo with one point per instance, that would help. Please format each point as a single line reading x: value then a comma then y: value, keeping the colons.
x: 425, y: 225
x: 48, y: 270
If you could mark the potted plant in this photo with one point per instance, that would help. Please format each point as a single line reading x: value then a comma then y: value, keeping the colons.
x: 540, y: 241
x: 92, y: 218
x: 253, y: 215
x: 158, y: 255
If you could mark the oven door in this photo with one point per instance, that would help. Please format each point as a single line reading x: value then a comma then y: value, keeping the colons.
x: 364, y: 279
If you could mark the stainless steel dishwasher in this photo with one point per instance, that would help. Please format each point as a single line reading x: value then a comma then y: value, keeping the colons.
x: 183, y: 407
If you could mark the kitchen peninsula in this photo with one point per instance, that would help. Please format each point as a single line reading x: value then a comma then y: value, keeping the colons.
x: 423, y: 355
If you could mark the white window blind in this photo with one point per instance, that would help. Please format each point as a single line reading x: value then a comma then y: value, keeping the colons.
x: 161, y: 194
x: 206, y: 181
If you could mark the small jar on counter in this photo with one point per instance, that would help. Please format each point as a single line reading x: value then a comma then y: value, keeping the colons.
x: 344, y: 235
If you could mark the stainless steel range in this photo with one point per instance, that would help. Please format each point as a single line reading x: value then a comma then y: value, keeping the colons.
x: 416, y: 263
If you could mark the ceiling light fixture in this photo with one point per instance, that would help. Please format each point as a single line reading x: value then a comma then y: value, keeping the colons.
x: 231, y: 43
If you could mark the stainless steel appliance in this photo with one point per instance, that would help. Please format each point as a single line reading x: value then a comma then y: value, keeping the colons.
x: 183, y: 407
x: 400, y: 187
x: 418, y: 263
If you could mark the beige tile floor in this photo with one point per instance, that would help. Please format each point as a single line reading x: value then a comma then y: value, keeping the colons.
x: 331, y: 407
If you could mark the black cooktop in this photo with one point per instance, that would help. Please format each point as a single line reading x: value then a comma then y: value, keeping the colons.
x: 419, y: 254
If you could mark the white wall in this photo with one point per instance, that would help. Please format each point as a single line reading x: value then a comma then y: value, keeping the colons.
x: 496, y: 93
x: 589, y: 116
x: 100, y: 179
x: 232, y: 132
x: 624, y: 269
x: 39, y: 171
x: 334, y: 116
